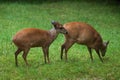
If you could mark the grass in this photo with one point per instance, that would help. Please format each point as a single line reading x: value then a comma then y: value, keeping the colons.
x: 104, y: 17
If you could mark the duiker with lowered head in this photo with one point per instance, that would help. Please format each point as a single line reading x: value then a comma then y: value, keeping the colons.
x: 82, y: 33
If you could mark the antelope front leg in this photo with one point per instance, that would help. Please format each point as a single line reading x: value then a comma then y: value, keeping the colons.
x: 97, y: 51
x: 62, y: 50
x: 46, y: 54
x: 89, y: 49
x: 68, y: 44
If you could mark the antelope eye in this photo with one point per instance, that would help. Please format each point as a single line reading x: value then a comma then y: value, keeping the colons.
x: 61, y: 28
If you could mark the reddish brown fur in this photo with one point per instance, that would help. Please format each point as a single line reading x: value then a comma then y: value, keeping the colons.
x: 32, y: 37
x: 84, y: 34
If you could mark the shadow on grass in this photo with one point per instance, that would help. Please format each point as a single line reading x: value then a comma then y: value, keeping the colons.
x: 108, y: 2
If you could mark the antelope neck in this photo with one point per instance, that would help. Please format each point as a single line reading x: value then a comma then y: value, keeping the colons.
x: 53, y: 33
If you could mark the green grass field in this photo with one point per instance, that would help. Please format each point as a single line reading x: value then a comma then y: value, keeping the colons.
x: 103, y: 16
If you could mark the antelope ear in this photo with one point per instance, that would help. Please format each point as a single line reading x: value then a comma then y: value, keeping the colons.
x: 53, y: 22
x: 106, y: 43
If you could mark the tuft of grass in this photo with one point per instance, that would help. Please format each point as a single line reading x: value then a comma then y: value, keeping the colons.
x: 16, y: 15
